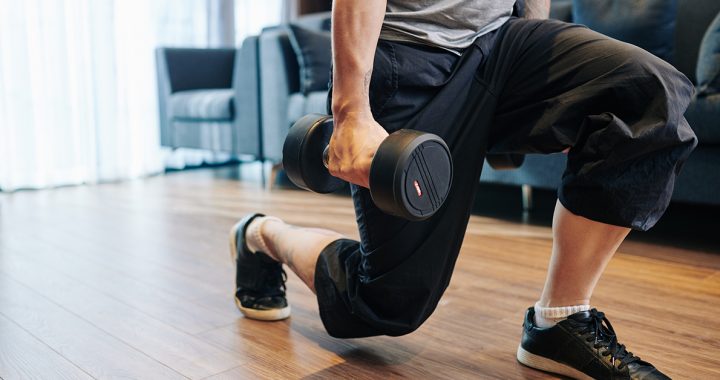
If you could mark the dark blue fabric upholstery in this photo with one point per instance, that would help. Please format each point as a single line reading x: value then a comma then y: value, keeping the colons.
x: 198, y: 105
x: 708, y: 67
x: 561, y: 10
x: 313, y: 51
x: 703, y: 114
x: 699, y: 181
x: 185, y: 68
x: 649, y: 24
x: 693, y: 19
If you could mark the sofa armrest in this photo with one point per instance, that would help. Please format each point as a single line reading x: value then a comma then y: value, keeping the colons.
x: 703, y: 115
x: 279, y: 77
x: 180, y: 69
x: 246, y: 83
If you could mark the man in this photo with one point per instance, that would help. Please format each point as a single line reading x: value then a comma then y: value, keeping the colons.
x: 471, y: 73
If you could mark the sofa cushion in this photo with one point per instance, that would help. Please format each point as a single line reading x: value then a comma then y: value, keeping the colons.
x: 313, y: 51
x: 703, y: 114
x: 300, y: 104
x: 649, y: 24
x: 708, y: 67
x: 203, y: 105
x: 206, y: 135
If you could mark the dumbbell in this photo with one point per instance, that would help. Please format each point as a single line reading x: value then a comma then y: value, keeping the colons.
x: 410, y: 174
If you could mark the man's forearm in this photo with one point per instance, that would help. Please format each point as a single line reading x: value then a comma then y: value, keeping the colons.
x: 537, y: 9
x: 355, y: 32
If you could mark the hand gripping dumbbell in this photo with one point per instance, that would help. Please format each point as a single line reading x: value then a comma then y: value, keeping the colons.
x: 410, y: 174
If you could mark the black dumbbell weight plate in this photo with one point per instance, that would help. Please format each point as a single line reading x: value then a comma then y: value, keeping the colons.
x: 303, y: 154
x: 411, y: 174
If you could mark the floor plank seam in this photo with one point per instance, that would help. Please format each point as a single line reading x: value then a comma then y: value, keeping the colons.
x: 45, y: 344
x: 121, y: 341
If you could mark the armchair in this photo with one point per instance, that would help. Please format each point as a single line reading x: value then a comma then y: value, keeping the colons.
x: 208, y: 98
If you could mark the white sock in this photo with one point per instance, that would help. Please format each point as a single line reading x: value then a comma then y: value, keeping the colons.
x: 549, y: 316
x: 253, y: 235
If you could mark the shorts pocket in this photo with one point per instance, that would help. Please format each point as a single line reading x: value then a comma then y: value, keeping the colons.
x: 384, y: 79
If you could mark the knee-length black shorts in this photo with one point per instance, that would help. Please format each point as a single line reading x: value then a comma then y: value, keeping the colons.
x: 529, y: 87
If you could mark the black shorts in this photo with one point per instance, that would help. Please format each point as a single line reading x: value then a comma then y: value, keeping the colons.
x: 529, y: 87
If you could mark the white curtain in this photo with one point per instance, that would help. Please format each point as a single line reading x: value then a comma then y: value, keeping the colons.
x: 253, y: 15
x: 78, y: 97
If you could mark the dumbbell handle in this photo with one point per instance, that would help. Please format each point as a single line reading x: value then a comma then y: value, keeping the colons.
x: 326, y: 156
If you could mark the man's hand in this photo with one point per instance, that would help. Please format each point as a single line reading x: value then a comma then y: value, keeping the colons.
x: 356, y: 135
x: 354, y: 142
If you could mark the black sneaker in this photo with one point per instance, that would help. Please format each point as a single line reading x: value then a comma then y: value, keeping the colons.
x: 583, y: 346
x: 259, y: 280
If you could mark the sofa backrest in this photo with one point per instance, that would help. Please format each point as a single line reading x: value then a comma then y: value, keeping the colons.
x: 279, y: 77
x: 314, y: 21
x: 182, y: 66
x: 693, y: 19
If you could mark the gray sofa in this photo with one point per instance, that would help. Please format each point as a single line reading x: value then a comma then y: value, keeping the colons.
x: 281, y: 100
x: 699, y: 182
x: 266, y: 100
x: 208, y: 99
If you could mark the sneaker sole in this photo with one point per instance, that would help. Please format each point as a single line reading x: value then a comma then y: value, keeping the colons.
x: 262, y: 315
x: 548, y: 365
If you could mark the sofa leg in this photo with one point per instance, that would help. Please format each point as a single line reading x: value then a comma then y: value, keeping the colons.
x: 527, y: 201
x: 274, y: 169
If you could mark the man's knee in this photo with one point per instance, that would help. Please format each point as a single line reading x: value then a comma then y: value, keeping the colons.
x: 655, y: 79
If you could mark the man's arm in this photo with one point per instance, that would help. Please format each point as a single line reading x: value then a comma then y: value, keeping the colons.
x: 539, y: 9
x: 355, y: 32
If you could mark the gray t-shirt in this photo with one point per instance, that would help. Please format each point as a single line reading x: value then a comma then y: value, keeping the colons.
x: 449, y: 24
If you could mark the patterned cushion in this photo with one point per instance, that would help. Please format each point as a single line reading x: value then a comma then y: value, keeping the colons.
x: 215, y: 105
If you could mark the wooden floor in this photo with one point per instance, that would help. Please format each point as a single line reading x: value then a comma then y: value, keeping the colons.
x: 133, y: 280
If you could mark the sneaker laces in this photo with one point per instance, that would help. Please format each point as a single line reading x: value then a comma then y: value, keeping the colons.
x: 596, y: 327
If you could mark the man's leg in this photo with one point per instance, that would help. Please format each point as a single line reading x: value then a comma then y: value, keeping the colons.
x: 620, y: 111
x: 296, y: 247
x: 260, y: 245
x: 390, y: 281
x: 581, y: 250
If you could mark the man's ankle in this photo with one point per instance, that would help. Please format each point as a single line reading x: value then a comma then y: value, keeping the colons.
x: 549, y: 316
x: 257, y: 238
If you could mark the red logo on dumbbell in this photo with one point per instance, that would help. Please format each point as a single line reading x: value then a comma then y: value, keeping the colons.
x: 417, y: 188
